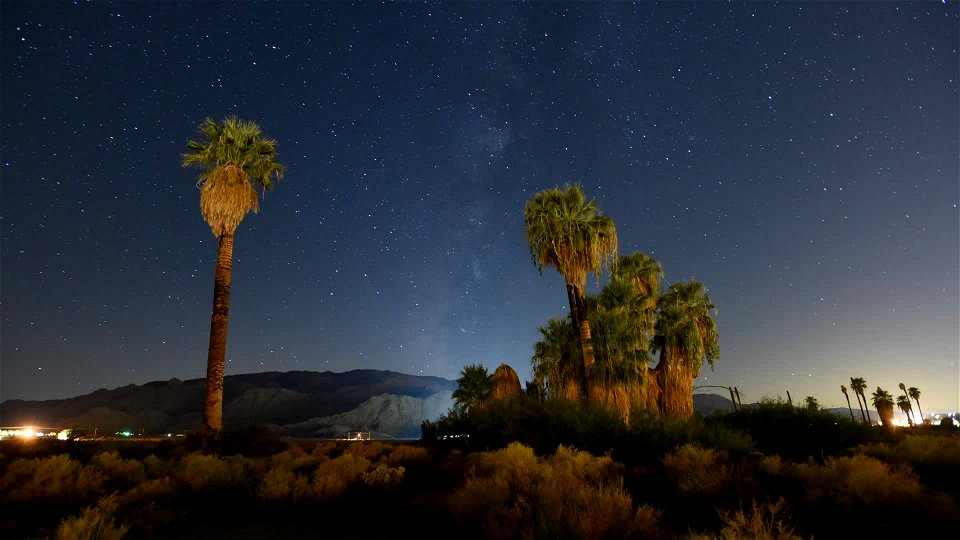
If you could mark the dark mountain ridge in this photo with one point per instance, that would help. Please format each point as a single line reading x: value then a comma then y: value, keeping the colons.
x: 278, y: 398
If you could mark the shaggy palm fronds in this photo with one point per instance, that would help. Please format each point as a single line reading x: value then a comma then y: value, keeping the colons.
x: 556, y: 360
x: 567, y: 232
x: 473, y: 388
x: 642, y: 271
x: 226, y: 198
x: 685, y: 324
x: 506, y: 382
x: 676, y: 384
x: 623, y: 397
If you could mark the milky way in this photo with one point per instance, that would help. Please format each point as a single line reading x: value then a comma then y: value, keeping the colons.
x: 800, y: 159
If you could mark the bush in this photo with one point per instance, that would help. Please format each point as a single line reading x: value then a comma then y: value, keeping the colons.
x: 52, y: 479
x: 697, y: 471
x: 118, y: 473
x: 277, y: 485
x: 407, y: 455
x: 510, y: 493
x: 93, y: 523
x: 324, y: 449
x: 384, y: 478
x: 763, y: 522
x: 858, y: 480
x: 796, y: 433
x: 332, y: 478
x: 370, y: 450
x: 201, y: 472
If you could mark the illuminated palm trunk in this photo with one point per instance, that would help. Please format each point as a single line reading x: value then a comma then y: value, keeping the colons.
x: 581, y: 382
x: 885, y: 411
x: 216, y: 356
x: 583, y: 325
x: 676, y: 385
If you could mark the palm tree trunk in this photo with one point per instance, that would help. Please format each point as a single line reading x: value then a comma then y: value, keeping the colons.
x: 919, y: 410
x: 216, y: 355
x: 586, y: 343
x: 676, y: 385
x: 849, y: 407
x: 861, y: 405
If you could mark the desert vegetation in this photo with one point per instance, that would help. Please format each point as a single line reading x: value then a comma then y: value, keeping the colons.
x: 528, y: 469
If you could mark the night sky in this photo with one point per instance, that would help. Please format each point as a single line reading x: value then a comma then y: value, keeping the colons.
x: 800, y: 159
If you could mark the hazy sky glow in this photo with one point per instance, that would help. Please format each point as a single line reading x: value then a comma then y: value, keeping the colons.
x: 800, y: 159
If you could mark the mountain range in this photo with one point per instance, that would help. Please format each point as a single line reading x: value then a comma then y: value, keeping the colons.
x: 299, y: 403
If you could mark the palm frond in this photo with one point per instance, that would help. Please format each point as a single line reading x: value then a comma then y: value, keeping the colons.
x: 233, y: 158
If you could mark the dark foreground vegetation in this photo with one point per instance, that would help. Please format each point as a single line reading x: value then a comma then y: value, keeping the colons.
x: 522, y: 468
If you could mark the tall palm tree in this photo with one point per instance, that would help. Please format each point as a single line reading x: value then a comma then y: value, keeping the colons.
x: 474, y: 388
x: 859, y: 385
x: 883, y: 402
x: 844, y: 390
x: 904, y: 403
x: 686, y: 335
x: 903, y: 388
x: 234, y: 159
x: 619, y: 377
x: 567, y: 232
x: 915, y: 394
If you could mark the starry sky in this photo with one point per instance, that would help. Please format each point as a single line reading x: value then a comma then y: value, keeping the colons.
x: 800, y: 159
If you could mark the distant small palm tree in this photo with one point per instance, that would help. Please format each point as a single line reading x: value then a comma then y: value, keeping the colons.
x: 915, y: 394
x: 811, y: 403
x: 859, y: 385
x: 474, y: 388
x: 883, y: 402
x: 844, y: 390
x: 904, y: 403
x: 234, y: 159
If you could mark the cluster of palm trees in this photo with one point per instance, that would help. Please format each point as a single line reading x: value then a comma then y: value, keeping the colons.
x: 603, y: 349
x: 883, y: 401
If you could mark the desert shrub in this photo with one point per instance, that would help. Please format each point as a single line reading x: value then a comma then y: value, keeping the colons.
x: 384, y: 478
x: 201, y: 472
x: 155, y: 467
x: 119, y: 473
x: 324, y: 449
x: 934, y: 457
x: 95, y: 522
x: 857, y: 479
x: 697, y: 471
x: 52, y: 479
x: 370, y: 450
x: 797, y: 433
x: 940, y: 450
x: 332, y: 478
x: 277, y: 485
x: 407, y: 455
x: 252, y: 440
x: 762, y: 522
x: 294, y: 459
x: 510, y: 493
x: 148, y: 505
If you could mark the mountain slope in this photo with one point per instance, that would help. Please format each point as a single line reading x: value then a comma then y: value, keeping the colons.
x: 278, y: 398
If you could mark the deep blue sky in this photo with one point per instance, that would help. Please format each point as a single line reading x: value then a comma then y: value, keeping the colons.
x: 801, y: 159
